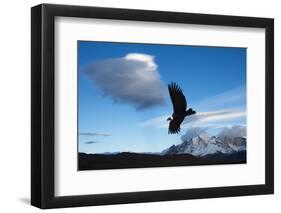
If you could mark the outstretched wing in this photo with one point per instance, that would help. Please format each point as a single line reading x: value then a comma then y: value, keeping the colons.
x: 174, y: 126
x: 177, y: 97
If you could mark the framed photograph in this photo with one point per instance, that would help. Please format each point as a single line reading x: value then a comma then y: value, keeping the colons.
x: 139, y: 106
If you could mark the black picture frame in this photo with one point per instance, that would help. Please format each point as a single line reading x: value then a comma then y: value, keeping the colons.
x: 43, y: 111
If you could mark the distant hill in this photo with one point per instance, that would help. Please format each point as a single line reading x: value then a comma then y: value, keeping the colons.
x: 136, y: 160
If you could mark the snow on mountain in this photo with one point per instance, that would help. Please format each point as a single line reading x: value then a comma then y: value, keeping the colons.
x: 203, y: 144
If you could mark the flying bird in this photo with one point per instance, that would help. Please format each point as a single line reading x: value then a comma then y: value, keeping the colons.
x: 179, y: 105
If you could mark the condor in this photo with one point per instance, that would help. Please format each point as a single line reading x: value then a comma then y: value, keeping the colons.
x: 179, y: 105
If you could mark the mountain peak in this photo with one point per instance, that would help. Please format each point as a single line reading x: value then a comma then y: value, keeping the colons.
x: 203, y: 144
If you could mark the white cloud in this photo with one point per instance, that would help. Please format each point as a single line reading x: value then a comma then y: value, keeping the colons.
x: 233, y: 97
x: 193, y: 132
x: 132, y: 79
x: 198, y: 119
x: 234, y: 131
x: 214, y: 116
x: 154, y: 122
x: 90, y: 142
x: 148, y: 59
x: 230, y: 132
x: 94, y: 134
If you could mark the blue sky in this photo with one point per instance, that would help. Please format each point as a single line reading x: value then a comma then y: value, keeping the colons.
x: 123, y: 98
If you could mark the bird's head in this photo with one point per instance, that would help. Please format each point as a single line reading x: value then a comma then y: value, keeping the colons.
x: 170, y: 118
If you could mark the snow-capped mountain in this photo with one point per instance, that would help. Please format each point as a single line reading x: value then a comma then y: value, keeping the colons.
x: 203, y: 144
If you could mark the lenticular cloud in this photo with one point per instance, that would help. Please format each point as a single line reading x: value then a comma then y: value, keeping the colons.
x: 132, y: 79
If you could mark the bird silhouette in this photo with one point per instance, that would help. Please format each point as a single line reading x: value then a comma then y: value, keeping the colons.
x: 179, y: 105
